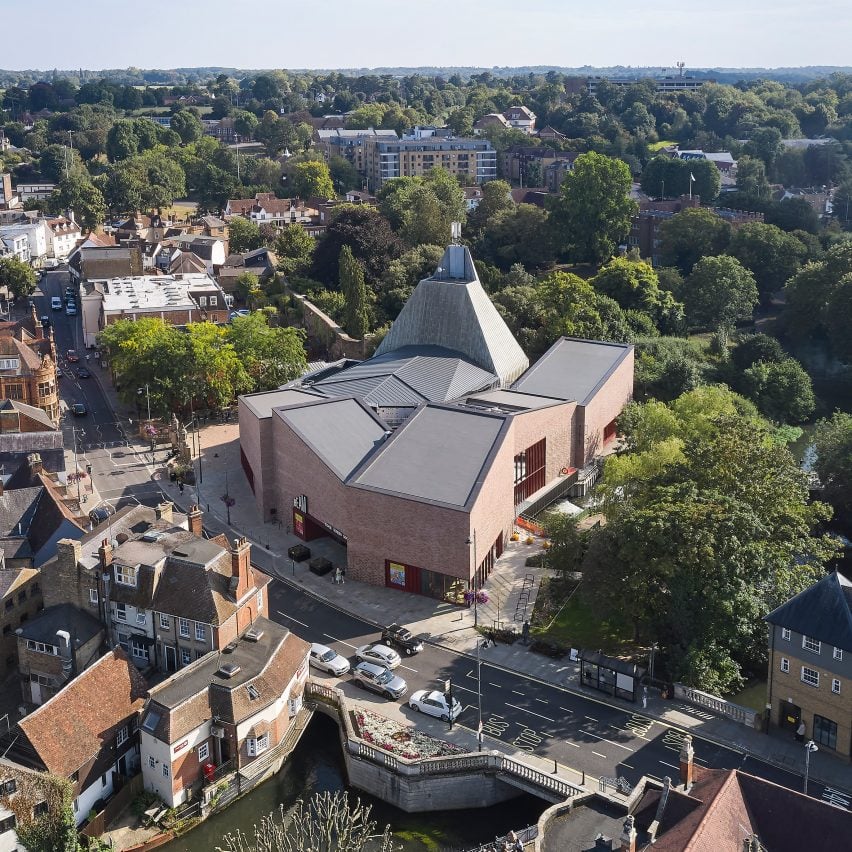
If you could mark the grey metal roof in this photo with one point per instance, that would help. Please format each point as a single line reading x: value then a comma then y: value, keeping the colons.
x: 342, y: 432
x: 512, y: 400
x: 452, y: 310
x: 439, y: 454
x: 823, y: 611
x: 80, y: 624
x: 261, y: 404
x: 572, y: 369
x: 408, y: 376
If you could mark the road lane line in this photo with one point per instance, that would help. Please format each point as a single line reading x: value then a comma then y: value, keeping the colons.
x: 626, y: 764
x: 517, y: 692
x: 497, y: 685
x: 456, y: 686
x: 566, y: 710
x: 515, y: 706
x: 591, y: 718
x: 670, y: 765
x: 542, y: 701
x: 278, y: 611
x: 341, y: 641
x: 568, y: 742
x: 599, y: 754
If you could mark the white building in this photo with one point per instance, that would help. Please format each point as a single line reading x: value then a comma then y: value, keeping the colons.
x: 37, y: 191
x: 38, y: 238
x: 15, y: 245
x: 64, y: 235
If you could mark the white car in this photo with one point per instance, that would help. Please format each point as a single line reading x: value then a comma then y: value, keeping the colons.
x: 434, y: 703
x: 326, y: 660
x: 378, y: 654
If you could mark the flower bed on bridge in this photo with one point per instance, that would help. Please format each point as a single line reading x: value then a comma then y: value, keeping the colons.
x: 404, y: 742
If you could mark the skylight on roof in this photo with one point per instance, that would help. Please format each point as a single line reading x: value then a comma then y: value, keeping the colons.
x: 253, y: 694
x: 151, y: 721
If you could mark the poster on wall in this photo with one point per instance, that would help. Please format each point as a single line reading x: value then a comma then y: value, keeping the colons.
x: 396, y: 574
x: 299, y: 524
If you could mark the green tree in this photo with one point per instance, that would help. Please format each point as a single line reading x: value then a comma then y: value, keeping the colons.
x: 187, y: 125
x: 402, y: 276
x: 271, y: 356
x: 691, y: 235
x: 593, y: 211
x: 55, y: 161
x: 247, y: 287
x: 243, y: 235
x: 756, y: 348
x: 312, y: 179
x: 274, y: 133
x: 495, y: 200
x: 245, y: 123
x: 666, y: 367
x: 833, y: 463
x: 519, y: 234
x: 751, y: 177
x: 17, y: 277
x: 770, y: 254
x: 79, y: 194
x: 782, y: 390
x: 326, y: 823
x: 670, y: 177
x: 355, y: 292
x: 718, y: 292
x: 55, y: 831
x: 294, y: 248
x: 567, y: 543
x: 344, y: 175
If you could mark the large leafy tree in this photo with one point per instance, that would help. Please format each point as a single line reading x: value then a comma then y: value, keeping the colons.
x: 312, y: 179
x: 593, y: 211
x: 294, y: 247
x: 78, y: 194
x: 718, y: 292
x: 18, y: 277
x: 833, y: 462
x: 519, y: 234
x: 770, y: 254
x: 670, y: 177
x: 691, y: 235
x: 355, y: 292
x: 187, y: 125
x: 271, y: 356
x: 243, y: 235
x: 708, y: 528
x: 782, y: 390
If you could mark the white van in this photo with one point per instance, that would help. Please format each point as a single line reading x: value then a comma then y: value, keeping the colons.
x: 56, y: 303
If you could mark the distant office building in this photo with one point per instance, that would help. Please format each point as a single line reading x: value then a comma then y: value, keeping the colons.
x: 664, y: 84
x: 474, y: 159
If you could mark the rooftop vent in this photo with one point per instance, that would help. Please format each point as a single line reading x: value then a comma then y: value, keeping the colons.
x: 153, y: 535
x: 230, y: 647
x: 228, y: 670
x: 253, y: 634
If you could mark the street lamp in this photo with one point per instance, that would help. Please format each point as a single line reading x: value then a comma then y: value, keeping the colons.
x: 810, y: 747
x: 227, y: 499
x: 148, y: 397
x: 472, y: 541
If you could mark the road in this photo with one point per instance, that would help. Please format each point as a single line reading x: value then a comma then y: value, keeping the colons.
x: 120, y: 475
x: 551, y: 722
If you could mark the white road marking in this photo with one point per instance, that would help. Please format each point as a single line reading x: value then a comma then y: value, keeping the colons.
x: 568, y: 742
x: 701, y: 760
x: 591, y: 718
x: 278, y: 611
x: 597, y: 736
x: 599, y: 754
x: 515, y: 706
x: 456, y: 686
x: 670, y: 765
x: 517, y: 692
x: 566, y: 710
x: 542, y: 701
x: 335, y: 639
x: 497, y: 685
x: 627, y: 765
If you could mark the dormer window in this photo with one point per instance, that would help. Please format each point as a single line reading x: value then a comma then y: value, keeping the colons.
x: 125, y: 575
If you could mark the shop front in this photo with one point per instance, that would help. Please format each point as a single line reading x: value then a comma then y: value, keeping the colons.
x: 422, y: 581
x: 307, y: 527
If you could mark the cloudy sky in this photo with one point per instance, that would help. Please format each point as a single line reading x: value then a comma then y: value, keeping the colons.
x: 97, y: 34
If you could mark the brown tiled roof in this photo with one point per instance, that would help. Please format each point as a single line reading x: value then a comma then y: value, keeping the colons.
x: 80, y: 720
x: 11, y: 347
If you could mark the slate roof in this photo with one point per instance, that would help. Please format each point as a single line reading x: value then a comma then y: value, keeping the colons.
x: 452, y: 310
x: 261, y: 404
x: 195, y: 693
x: 573, y: 369
x: 17, y: 510
x: 823, y: 611
x: 80, y: 624
x: 82, y: 718
x: 440, y: 454
x: 408, y: 376
x: 342, y: 432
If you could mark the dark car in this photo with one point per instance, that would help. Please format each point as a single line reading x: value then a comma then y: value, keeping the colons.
x: 402, y: 637
x: 45, y: 321
x: 299, y: 552
x: 83, y: 373
x: 78, y: 409
x: 101, y: 513
x: 320, y: 566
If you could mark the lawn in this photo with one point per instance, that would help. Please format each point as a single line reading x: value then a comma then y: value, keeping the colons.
x: 576, y: 626
x: 656, y: 146
x: 753, y: 695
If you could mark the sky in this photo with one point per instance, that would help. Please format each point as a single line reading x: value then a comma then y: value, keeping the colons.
x: 97, y: 34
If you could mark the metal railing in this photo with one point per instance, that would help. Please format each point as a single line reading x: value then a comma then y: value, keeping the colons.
x: 522, y: 835
x: 524, y: 598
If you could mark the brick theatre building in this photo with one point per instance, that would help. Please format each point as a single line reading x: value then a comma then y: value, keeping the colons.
x: 420, y: 459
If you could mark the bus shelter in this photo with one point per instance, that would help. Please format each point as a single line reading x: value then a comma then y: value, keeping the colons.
x: 610, y: 675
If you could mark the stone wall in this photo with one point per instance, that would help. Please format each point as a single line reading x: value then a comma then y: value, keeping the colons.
x: 336, y: 341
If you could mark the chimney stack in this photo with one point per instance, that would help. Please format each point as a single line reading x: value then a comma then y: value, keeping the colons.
x: 628, y: 835
x: 687, y: 757
x: 105, y: 553
x: 195, y: 520
x: 163, y: 512
x: 240, y: 561
x: 35, y: 463
x: 37, y: 326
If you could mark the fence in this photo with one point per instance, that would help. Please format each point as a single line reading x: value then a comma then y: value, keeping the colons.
x: 523, y: 835
x: 743, y: 715
x: 97, y: 825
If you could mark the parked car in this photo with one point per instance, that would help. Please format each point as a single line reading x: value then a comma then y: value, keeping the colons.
x: 71, y: 356
x: 434, y: 703
x: 327, y: 660
x: 83, y: 373
x: 299, y: 552
x: 56, y: 303
x: 45, y: 321
x: 101, y: 513
x: 379, y: 679
x: 70, y: 310
x: 78, y: 409
x: 378, y: 654
x: 396, y: 634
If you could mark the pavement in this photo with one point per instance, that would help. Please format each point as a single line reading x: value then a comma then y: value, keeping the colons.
x: 442, y: 624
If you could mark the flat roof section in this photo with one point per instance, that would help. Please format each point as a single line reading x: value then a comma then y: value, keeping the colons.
x: 511, y: 400
x: 261, y: 404
x: 439, y: 454
x: 342, y: 432
x: 572, y: 369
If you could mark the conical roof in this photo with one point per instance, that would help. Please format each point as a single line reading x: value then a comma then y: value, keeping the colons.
x: 451, y: 309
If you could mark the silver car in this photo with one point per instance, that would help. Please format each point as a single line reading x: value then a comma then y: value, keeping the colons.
x: 378, y: 654
x: 379, y: 679
x: 327, y: 660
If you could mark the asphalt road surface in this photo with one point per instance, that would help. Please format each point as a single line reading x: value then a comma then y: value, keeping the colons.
x: 533, y: 716
x: 120, y: 475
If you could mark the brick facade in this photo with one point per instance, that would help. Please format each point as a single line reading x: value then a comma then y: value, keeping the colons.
x: 21, y: 601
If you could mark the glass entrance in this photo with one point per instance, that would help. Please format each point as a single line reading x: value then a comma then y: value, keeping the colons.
x: 825, y: 732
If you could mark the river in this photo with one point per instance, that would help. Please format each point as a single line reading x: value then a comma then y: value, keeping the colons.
x: 317, y: 766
